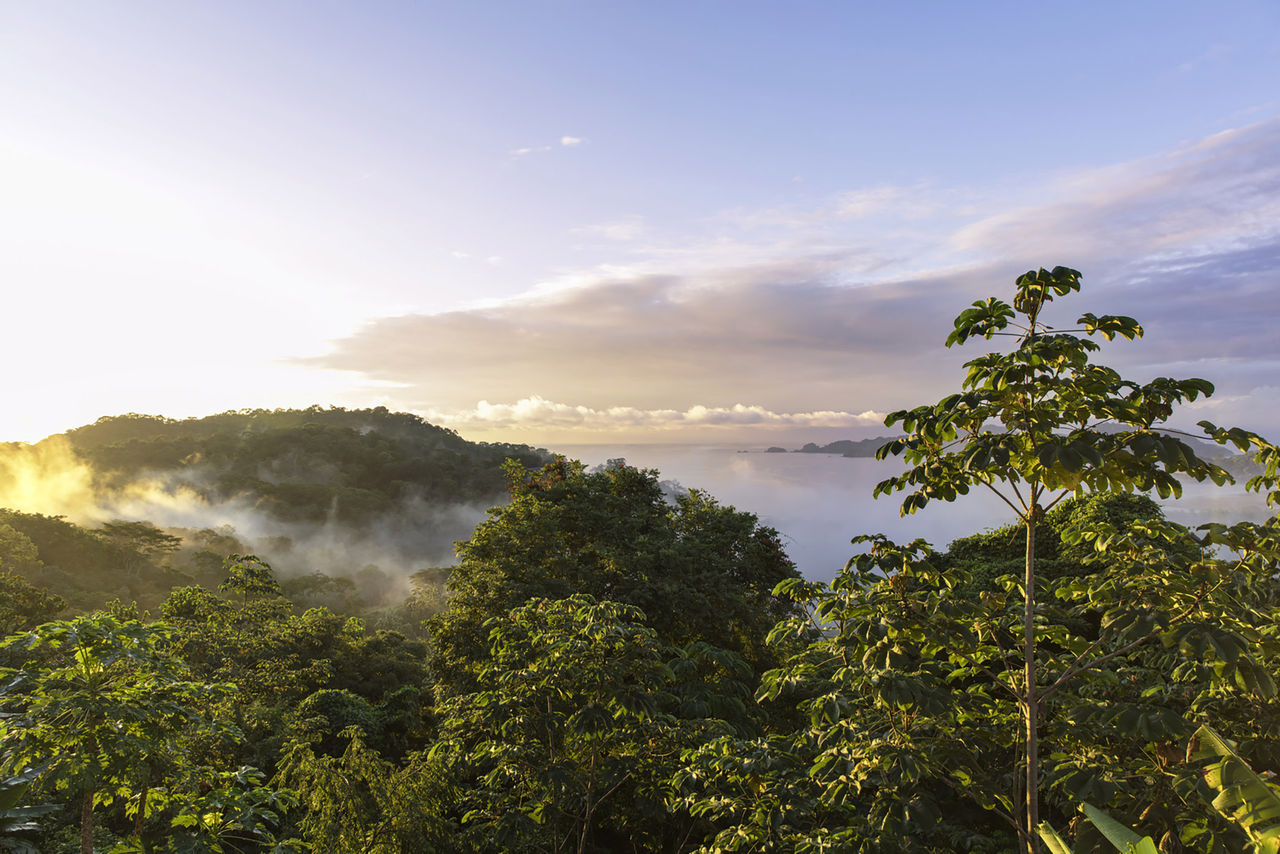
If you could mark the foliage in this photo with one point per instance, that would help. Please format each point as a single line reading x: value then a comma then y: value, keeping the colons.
x: 23, y: 606
x: 572, y: 732
x: 890, y: 745
x: 278, y: 658
x: 249, y: 575
x: 17, y: 822
x: 1121, y: 837
x: 360, y: 801
x: 141, y: 541
x: 390, y: 727
x: 86, y: 568
x: 302, y: 465
x: 99, y: 699
x: 1035, y: 425
x: 1238, y: 793
x: 17, y: 552
x: 221, y: 812
x: 700, y: 571
x: 911, y: 731
x: 1241, y: 795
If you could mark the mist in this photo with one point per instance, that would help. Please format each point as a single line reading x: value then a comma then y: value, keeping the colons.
x: 818, y: 502
x: 49, y: 478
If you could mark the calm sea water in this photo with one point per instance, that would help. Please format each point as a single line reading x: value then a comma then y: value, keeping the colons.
x: 819, y: 501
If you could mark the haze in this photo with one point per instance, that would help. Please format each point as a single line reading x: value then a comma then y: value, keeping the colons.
x: 558, y: 222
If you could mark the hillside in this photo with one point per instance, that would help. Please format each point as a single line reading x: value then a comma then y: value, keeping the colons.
x: 346, y: 503
x: 301, y: 465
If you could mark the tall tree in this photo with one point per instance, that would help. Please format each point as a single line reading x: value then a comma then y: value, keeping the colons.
x: 1037, y: 424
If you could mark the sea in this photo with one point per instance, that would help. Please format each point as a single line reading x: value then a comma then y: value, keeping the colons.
x: 818, y: 502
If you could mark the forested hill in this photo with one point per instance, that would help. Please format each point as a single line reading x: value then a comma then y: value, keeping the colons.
x: 302, y: 465
x: 345, y: 504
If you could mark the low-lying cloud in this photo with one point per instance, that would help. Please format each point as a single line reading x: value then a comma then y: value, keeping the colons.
x: 51, y: 479
x: 539, y: 413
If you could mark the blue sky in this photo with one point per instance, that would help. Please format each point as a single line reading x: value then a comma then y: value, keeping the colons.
x: 712, y: 221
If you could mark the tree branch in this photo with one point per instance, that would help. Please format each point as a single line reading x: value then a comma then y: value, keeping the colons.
x: 1001, y: 495
x: 1061, y: 496
x: 1079, y: 668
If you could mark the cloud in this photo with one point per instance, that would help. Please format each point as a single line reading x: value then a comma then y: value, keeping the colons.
x: 536, y: 412
x: 888, y: 200
x: 1214, y: 53
x: 1220, y: 194
x: 781, y: 337
x: 631, y: 228
x: 565, y: 142
x: 816, y: 311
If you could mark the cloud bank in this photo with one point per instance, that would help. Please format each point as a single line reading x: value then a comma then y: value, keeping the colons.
x: 538, y: 413
x: 824, y: 317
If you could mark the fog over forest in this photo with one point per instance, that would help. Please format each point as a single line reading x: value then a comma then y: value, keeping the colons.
x: 307, y: 497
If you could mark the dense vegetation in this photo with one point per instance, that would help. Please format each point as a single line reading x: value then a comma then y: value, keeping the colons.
x: 302, y: 465
x: 373, y: 480
x: 614, y: 669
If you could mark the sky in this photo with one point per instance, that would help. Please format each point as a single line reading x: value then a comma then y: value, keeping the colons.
x: 571, y: 222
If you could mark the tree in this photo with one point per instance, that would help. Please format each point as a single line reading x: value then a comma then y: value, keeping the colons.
x: 101, y: 700
x: 18, y: 553
x: 908, y: 733
x: 24, y: 606
x: 700, y: 571
x: 359, y: 801
x: 278, y: 658
x: 579, y: 718
x: 1038, y: 424
x: 139, y: 542
x: 249, y: 575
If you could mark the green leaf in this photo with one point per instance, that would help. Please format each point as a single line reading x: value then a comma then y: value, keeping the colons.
x: 1241, y: 795
x: 1124, y: 839
x: 1055, y: 843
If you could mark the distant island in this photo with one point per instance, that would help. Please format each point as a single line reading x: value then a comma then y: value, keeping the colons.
x: 1239, y: 465
x: 847, y: 447
x: 843, y: 447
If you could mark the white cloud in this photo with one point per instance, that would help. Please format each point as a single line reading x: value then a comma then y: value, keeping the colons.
x: 565, y: 141
x: 538, y: 413
x: 631, y: 228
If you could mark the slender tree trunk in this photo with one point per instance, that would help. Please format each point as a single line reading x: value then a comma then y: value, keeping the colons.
x: 1031, y: 704
x: 86, y: 821
x: 86, y: 800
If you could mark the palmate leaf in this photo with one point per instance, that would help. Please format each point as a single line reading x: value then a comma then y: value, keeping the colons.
x: 1241, y: 795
